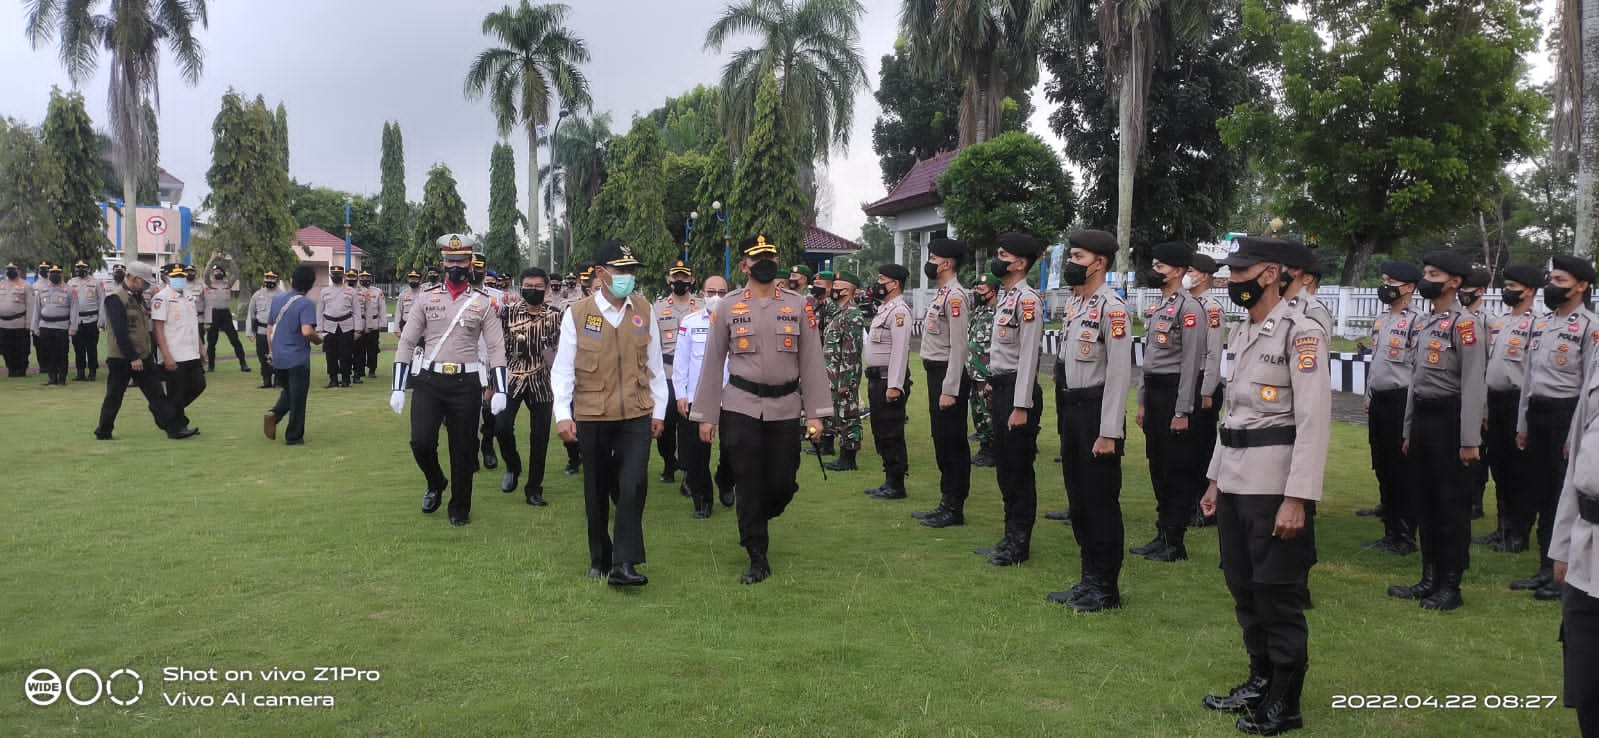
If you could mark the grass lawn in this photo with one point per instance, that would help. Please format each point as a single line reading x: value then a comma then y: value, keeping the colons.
x: 230, y: 552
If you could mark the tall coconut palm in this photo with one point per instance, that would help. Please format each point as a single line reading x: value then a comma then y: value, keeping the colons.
x: 132, y: 31
x: 990, y: 45
x: 537, y: 55
x: 813, y: 47
x: 1576, y: 124
x: 577, y: 168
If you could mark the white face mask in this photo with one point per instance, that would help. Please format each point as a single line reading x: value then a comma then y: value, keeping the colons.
x: 712, y: 302
x: 1188, y: 281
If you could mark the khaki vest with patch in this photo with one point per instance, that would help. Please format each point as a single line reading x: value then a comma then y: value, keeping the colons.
x: 611, y: 366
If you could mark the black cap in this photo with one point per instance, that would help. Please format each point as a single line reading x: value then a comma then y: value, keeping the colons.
x: 1453, y: 263
x: 1252, y: 250
x: 948, y: 248
x: 895, y: 272
x: 1526, y: 274
x: 1478, y: 278
x: 1402, y: 271
x: 1204, y: 263
x: 616, y: 254
x: 1173, y: 253
x: 1573, y: 265
x: 1098, y: 242
x: 1020, y: 244
x: 1295, y: 255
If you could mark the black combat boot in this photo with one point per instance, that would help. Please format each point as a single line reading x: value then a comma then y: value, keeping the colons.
x: 893, y: 489
x: 1098, y: 593
x: 878, y: 488
x: 844, y: 462
x: 1420, y: 590
x: 925, y: 514
x: 1545, y: 575
x: 1245, y: 697
x: 759, y: 569
x: 1279, y: 712
x: 946, y: 515
x: 1174, y: 550
x: 1158, y: 542
x: 984, y: 456
x: 1447, y: 595
x: 1014, y: 549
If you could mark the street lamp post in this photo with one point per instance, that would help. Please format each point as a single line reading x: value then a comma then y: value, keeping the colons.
x: 554, y: 166
x: 688, y: 231
x: 347, y: 234
x: 727, y: 238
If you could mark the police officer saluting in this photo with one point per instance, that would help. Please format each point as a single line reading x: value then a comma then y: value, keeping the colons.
x: 449, y: 319
x: 669, y: 314
x: 888, y: 381
x: 1265, y: 481
x: 1510, y: 335
x: 1393, y: 346
x: 1443, y: 430
x: 945, y: 333
x: 1091, y: 415
x: 774, y: 365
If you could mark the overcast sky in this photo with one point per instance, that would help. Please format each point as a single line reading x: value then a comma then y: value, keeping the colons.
x: 343, y: 68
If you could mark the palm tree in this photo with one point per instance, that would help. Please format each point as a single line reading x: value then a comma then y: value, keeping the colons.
x: 1576, y: 123
x: 577, y: 167
x: 990, y: 45
x: 133, y: 32
x: 812, y: 46
x: 536, y: 55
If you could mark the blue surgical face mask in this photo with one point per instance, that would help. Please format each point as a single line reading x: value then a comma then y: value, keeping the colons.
x: 621, y: 286
x: 178, y: 283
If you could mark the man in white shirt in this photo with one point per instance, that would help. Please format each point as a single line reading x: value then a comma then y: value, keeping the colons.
x: 610, y: 397
x: 694, y: 455
x: 177, y: 333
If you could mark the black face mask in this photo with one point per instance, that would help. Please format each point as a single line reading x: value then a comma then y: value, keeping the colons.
x: 414, y: 283
x: 931, y: 270
x: 879, y: 292
x: 366, y: 283
x: 818, y: 291
x: 1155, y: 279
x: 337, y: 280
x: 457, y: 274
x: 763, y: 271
x: 117, y: 277
x: 1246, y: 293
x: 999, y: 267
x: 270, y: 285
x: 1388, y: 294
x: 1284, y: 282
x: 1429, y: 289
x: 11, y: 274
x: 680, y: 288
x: 1554, y: 297
x: 433, y: 276
x: 55, y: 279
x: 1073, y: 274
x: 1469, y: 298
x: 1512, y: 298
x: 838, y: 294
x: 532, y: 296
x: 794, y: 285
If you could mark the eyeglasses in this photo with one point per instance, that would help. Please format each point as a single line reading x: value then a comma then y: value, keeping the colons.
x: 715, y: 293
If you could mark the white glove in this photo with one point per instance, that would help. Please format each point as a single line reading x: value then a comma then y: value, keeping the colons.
x: 397, y: 401
x: 497, y: 403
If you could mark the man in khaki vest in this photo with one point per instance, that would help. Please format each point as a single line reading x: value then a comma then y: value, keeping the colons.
x: 130, y: 356
x: 610, y: 397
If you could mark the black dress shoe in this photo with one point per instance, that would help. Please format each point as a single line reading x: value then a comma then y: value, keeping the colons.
x: 702, y: 510
x: 182, y: 433
x: 1369, y: 512
x: 667, y: 477
x: 508, y: 483
x: 354, y: 380
x: 1096, y: 599
x: 1548, y: 592
x: 571, y: 469
x: 728, y: 496
x: 1544, y: 576
x: 1059, y: 514
x: 1008, y: 556
x: 490, y: 461
x: 245, y: 368
x: 1399, y: 547
x: 102, y: 435
x: 1490, y: 538
x: 624, y: 575
x: 458, y: 522
x: 759, y: 570
x: 1242, y: 698
x: 1154, y: 543
x: 944, y: 519
x: 430, y: 500
x: 344, y: 384
x: 536, y: 499
x: 596, y: 572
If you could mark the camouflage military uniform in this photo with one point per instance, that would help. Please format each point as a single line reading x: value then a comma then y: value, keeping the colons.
x: 980, y: 334
x: 842, y: 343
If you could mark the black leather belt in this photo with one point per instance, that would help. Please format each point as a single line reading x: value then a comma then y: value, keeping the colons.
x: 767, y: 391
x: 1398, y: 392
x: 1437, y: 404
x: 1084, y: 396
x: 1257, y: 437
x: 877, y: 372
x: 1002, y: 378
x: 12, y: 317
x: 1162, y: 380
x: 48, y: 319
x: 1557, y: 404
x: 82, y: 314
x: 1588, y: 508
x: 339, y: 318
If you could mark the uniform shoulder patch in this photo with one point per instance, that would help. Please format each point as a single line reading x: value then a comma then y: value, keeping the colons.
x: 1215, y: 317
x: 1306, y: 347
x: 1190, y: 320
x: 899, y: 320
x: 1468, y: 332
x: 1029, y: 309
x: 1118, y: 323
x: 954, y: 307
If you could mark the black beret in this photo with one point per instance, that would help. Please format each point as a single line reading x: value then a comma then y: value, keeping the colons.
x: 1575, y: 266
x: 1526, y: 274
x: 1098, y: 242
x: 1173, y: 253
x: 895, y: 272
x: 1402, y: 271
x: 1295, y: 255
x: 1448, y: 261
x: 1204, y: 263
x: 1252, y: 250
x: 948, y: 248
x: 1020, y: 244
x: 1477, y: 278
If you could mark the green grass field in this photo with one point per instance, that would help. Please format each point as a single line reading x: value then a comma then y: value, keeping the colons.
x: 231, y: 552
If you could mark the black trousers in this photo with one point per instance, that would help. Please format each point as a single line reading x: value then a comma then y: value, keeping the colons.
x: 1267, y: 576
x: 1506, y: 462
x: 615, y: 456
x: 487, y: 431
x: 1204, y: 426
x: 86, y: 347
x: 185, y: 384
x: 1014, y: 450
x: 765, y: 455
x: 119, y: 374
x: 953, y: 454
x: 14, y: 344
x: 694, y: 458
x: 1174, y: 469
x: 296, y: 385
x: 539, y: 415
x: 370, y: 343
x: 888, y: 425
x: 667, y: 445
x: 262, y: 348
x: 52, y: 346
x: 452, y: 401
x: 1443, y: 486
x: 339, y: 348
x: 222, y: 321
x: 1579, y: 645
x: 1093, y: 485
x: 1385, y: 432
x: 1548, y: 425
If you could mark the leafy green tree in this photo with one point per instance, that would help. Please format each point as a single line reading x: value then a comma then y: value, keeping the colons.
x: 708, y: 249
x: 251, y: 221
x: 442, y: 211
x: 28, y: 229
x: 499, y: 244
x: 921, y: 114
x: 150, y: 179
x: 133, y: 31
x: 768, y: 198
x: 644, y: 227
x: 394, y: 213
x: 1013, y: 182
x: 323, y: 207
x: 576, y: 173
x: 691, y: 121
x: 1396, y: 123
x: 69, y: 139
x: 683, y: 174
x: 991, y: 46
x: 280, y: 132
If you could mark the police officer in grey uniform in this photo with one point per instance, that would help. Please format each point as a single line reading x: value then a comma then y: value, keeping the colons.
x: 340, y: 324
x: 1470, y: 297
x: 669, y: 314
x: 1511, y: 333
x: 1560, y: 355
x: 1265, y: 482
x: 1175, y: 330
x: 1096, y: 352
x: 1208, y: 410
x: 944, y: 339
x: 1393, y: 346
x: 1014, y: 397
x: 1575, y: 551
x: 1443, y: 430
x: 1301, y: 279
x: 258, y: 316
x: 53, y: 326
x: 16, y: 320
x: 87, y: 295
x: 888, y: 381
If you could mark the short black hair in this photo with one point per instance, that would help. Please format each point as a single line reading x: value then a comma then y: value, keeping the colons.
x: 303, y: 278
x: 533, y: 272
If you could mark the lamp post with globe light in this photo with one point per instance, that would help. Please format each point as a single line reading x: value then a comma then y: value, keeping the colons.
x: 688, y: 231
x: 727, y: 238
x: 554, y: 167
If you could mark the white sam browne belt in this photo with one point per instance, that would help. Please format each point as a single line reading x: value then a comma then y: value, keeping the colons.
x: 451, y: 368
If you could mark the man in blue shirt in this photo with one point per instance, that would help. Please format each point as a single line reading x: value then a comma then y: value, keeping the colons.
x: 292, y: 318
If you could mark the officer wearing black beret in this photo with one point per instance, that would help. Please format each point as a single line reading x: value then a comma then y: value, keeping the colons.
x: 1393, y: 342
x: 1509, y: 337
x: 888, y: 381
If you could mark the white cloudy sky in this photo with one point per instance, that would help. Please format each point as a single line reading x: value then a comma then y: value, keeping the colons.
x: 343, y: 67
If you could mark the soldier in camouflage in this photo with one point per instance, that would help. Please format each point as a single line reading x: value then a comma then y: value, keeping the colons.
x: 843, y: 343
x: 980, y: 334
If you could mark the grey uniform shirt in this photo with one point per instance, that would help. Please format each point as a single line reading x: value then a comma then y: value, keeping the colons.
x: 1557, y: 357
x: 1393, y: 344
x: 259, y: 314
x: 431, y: 317
x: 403, y: 303
x: 87, y: 297
x: 1279, y: 379
x: 1316, y: 310
x: 1096, y: 350
x: 771, y: 342
x: 375, y: 302
x: 338, y: 307
x: 669, y: 314
x: 1576, y: 541
x: 945, y: 333
x: 16, y: 304
x: 1017, y: 339
x: 1451, y: 360
x: 194, y: 292
x: 888, y: 342
x: 1174, y: 343
x: 54, y: 306
x: 216, y: 296
x: 1509, y: 335
x: 1215, y: 343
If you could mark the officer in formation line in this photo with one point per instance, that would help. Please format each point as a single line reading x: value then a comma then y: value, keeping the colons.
x: 258, y: 316
x: 669, y: 312
x: 945, y: 335
x: 52, y: 324
x: 887, y: 360
x: 88, y: 297
x: 1509, y: 337
x: 1387, y: 392
x: 843, y: 342
x: 340, y: 325
x: 1207, y: 410
x: 16, y: 320
x: 373, y: 327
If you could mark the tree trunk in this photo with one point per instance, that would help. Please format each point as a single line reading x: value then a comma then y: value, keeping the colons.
x: 1487, y: 250
x: 1126, y: 168
x: 1588, y: 136
x: 533, y: 197
x: 1355, y: 262
x: 130, y: 215
x: 981, y: 133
